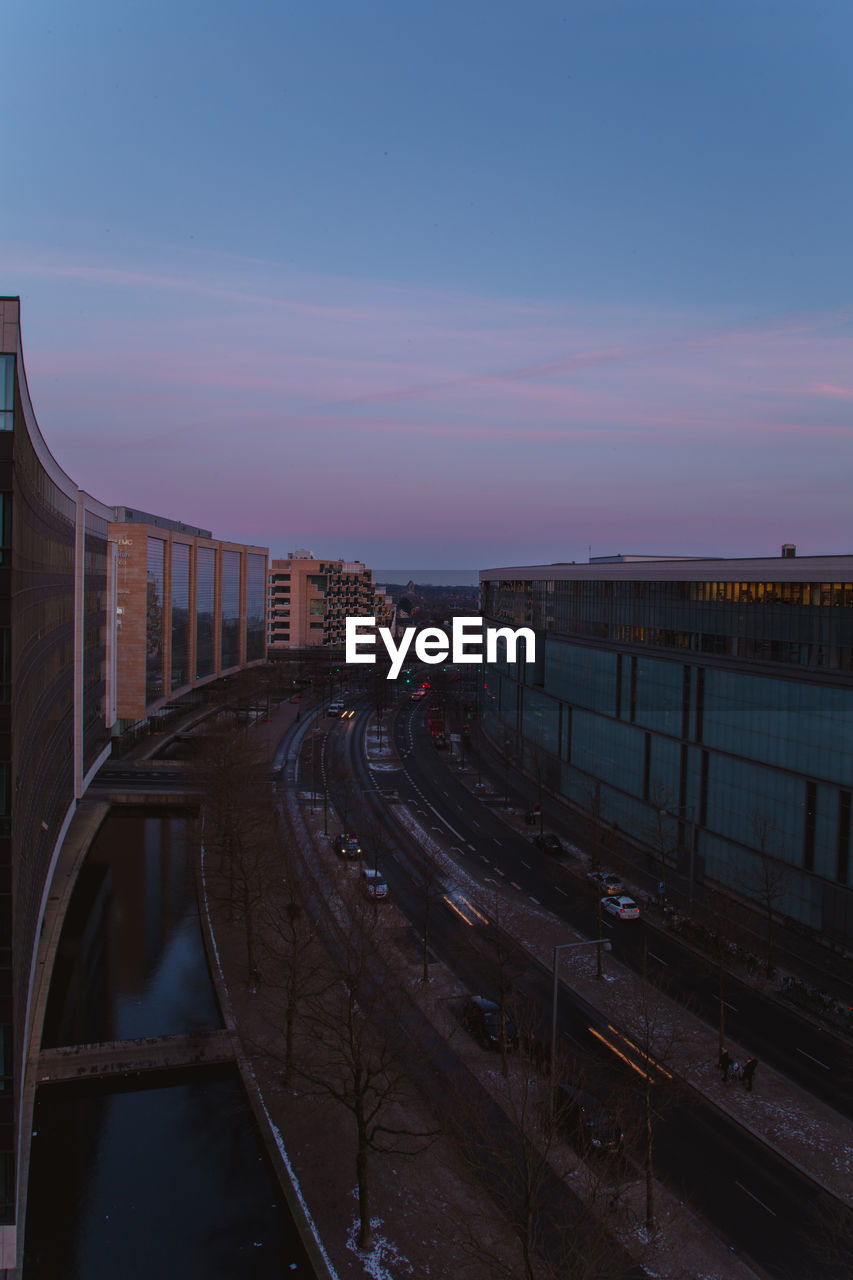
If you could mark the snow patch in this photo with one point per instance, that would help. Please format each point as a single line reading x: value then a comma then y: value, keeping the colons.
x: 381, y: 1256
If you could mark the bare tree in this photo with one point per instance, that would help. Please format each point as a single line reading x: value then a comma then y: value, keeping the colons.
x: 240, y: 825
x: 294, y: 960
x: 663, y: 831
x: 650, y: 1038
x: 516, y: 1148
x: 430, y: 889
x: 769, y: 880
x: 360, y: 1055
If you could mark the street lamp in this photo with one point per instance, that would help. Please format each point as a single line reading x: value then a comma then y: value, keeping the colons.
x: 603, y: 944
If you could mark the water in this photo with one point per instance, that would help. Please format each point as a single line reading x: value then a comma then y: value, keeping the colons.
x: 168, y: 1181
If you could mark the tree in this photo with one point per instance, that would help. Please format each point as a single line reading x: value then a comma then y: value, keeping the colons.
x: 430, y: 887
x: 240, y: 824
x: 360, y: 1053
x: 769, y: 880
x: 652, y: 1035
x: 663, y: 832
x: 515, y: 1146
x: 295, y: 962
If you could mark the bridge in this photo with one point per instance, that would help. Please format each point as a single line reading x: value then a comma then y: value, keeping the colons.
x: 130, y: 1057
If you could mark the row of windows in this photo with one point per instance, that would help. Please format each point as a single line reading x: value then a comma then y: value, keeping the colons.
x: 699, y: 617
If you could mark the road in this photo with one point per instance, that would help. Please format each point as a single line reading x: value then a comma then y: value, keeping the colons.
x: 764, y: 1208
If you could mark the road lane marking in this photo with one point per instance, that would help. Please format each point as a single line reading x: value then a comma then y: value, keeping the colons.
x: 562, y: 891
x: 536, y: 900
x: 515, y: 886
x: 446, y: 823
x: 525, y: 864
x: 756, y: 1199
x: 654, y: 957
x: 817, y: 1060
x: 500, y: 873
x: 731, y: 1006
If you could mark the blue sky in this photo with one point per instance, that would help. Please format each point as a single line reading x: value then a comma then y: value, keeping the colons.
x: 447, y: 284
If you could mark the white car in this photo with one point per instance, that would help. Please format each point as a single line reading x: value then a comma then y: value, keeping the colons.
x: 622, y: 906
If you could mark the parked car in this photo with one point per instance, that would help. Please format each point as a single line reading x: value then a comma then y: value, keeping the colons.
x: 607, y: 881
x: 585, y: 1120
x: 622, y: 906
x: 548, y: 842
x: 482, y: 1018
x: 374, y: 883
x: 348, y: 845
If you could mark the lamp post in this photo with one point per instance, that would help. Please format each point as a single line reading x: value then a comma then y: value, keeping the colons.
x: 603, y: 944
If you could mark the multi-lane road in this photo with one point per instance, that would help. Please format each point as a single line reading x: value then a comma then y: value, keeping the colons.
x: 764, y: 1208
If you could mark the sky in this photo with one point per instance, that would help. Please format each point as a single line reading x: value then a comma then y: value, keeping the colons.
x: 453, y: 284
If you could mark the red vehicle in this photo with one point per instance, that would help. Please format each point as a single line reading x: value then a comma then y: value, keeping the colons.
x: 435, y: 724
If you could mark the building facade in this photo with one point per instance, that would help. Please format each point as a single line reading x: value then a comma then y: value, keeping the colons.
x: 706, y: 707
x: 57, y: 706
x: 190, y: 609
x: 310, y: 600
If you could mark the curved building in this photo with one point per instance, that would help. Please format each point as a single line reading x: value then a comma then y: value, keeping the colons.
x: 703, y: 706
x: 105, y: 616
x: 57, y: 704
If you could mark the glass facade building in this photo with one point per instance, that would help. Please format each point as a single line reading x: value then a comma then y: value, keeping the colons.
x: 705, y: 706
x: 56, y: 704
x: 97, y: 604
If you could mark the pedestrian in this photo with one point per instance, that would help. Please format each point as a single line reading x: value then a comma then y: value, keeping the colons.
x: 724, y: 1063
x: 748, y: 1073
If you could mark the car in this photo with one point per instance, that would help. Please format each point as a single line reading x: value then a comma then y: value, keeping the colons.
x: 606, y: 880
x: 418, y: 694
x: 348, y: 845
x: 482, y: 1018
x: 335, y: 709
x: 585, y: 1120
x: 374, y: 883
x: 622, y: 906
x: 548, y: 842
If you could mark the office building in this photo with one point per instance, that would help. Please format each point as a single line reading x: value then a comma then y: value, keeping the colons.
x: 77, y: 661
x: 189, y: 609
x: 705, y: 707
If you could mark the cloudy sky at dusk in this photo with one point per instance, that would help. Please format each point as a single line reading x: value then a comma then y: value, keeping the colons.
x: 452, y: 284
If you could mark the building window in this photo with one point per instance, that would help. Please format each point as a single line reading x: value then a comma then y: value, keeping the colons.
x: 205, y: 605
x: 154, y: 606
x: 230, y: 647
x: 810, y: 824
x: 7, y: 393
x: 842, y: 870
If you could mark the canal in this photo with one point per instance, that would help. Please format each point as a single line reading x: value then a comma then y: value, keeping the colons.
x: 167, y: 1180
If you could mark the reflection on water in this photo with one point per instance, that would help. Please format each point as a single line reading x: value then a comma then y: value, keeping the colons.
x: 125, y: 1182
x: 131, y: 958
x: 167, y: 1183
